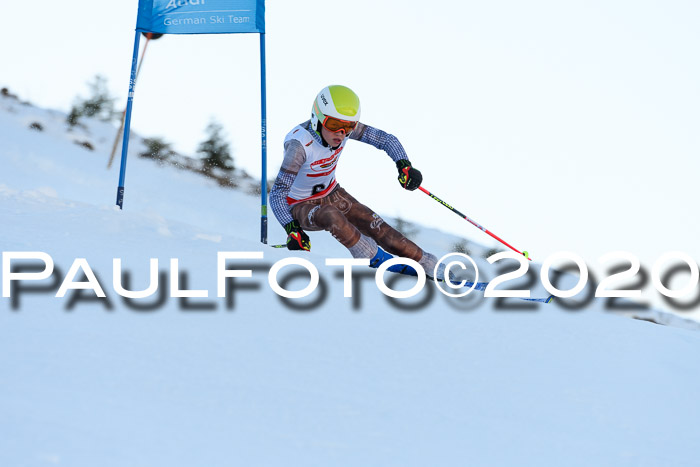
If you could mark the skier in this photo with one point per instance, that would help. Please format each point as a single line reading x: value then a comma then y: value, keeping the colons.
x: 306, y: 195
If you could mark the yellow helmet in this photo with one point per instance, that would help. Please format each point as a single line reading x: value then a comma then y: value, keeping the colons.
x: 335, y: 101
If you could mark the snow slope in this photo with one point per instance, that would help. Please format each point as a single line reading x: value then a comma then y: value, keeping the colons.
x: 87, y: 382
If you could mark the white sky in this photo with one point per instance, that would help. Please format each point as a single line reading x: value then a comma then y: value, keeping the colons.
x: 557, y: 125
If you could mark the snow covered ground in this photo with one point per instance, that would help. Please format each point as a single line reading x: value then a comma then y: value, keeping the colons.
x: 251, y: 380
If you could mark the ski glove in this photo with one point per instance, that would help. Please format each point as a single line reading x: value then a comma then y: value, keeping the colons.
x: 297, y: 238
x: 409, y: 178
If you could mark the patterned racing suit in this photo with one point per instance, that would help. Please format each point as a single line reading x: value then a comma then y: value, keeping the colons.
x: 306, y: 190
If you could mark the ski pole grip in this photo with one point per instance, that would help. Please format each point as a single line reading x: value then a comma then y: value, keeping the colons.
x: 405, y: 172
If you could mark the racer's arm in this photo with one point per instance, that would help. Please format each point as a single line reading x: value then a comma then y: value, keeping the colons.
x: 410, y: 178
x: 294, y: 158
x: 380, y: 140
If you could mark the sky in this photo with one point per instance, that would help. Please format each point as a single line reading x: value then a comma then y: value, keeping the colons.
x: 559, y: 126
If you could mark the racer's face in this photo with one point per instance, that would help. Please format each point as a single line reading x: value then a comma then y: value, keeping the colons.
x: 333, y: 139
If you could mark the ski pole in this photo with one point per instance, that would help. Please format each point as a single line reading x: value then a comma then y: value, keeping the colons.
x: 121, y: 127
x: 471, y: 221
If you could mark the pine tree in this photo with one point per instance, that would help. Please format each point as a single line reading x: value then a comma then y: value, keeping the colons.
x: 157, y: 149
x: 99, y: 104
x: 492, y: 252
x: 215, y: 150
x: 461, y: 246
x: 406, y: 228
x: 73, y: 116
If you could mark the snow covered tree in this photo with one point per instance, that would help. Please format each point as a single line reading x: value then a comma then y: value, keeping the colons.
x: 461, y: 246
x: 157, y: 149
x: 492, y: 252
x: 215, y: 151
x: 99, y: 104
x: 408, y: 229
x: 74, y: 116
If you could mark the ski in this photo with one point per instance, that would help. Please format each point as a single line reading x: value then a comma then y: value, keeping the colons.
x: 480, y: 286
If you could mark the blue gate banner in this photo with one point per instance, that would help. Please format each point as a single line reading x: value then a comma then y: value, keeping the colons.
x: 201, y: 16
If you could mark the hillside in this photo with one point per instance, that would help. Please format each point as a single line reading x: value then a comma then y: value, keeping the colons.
x: 251, y: 380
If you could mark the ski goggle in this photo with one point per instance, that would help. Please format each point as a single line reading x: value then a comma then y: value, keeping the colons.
x: 334, y: 125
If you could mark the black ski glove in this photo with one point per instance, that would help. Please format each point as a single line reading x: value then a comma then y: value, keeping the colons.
x: 409, y: 178
x: 297, y: 238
